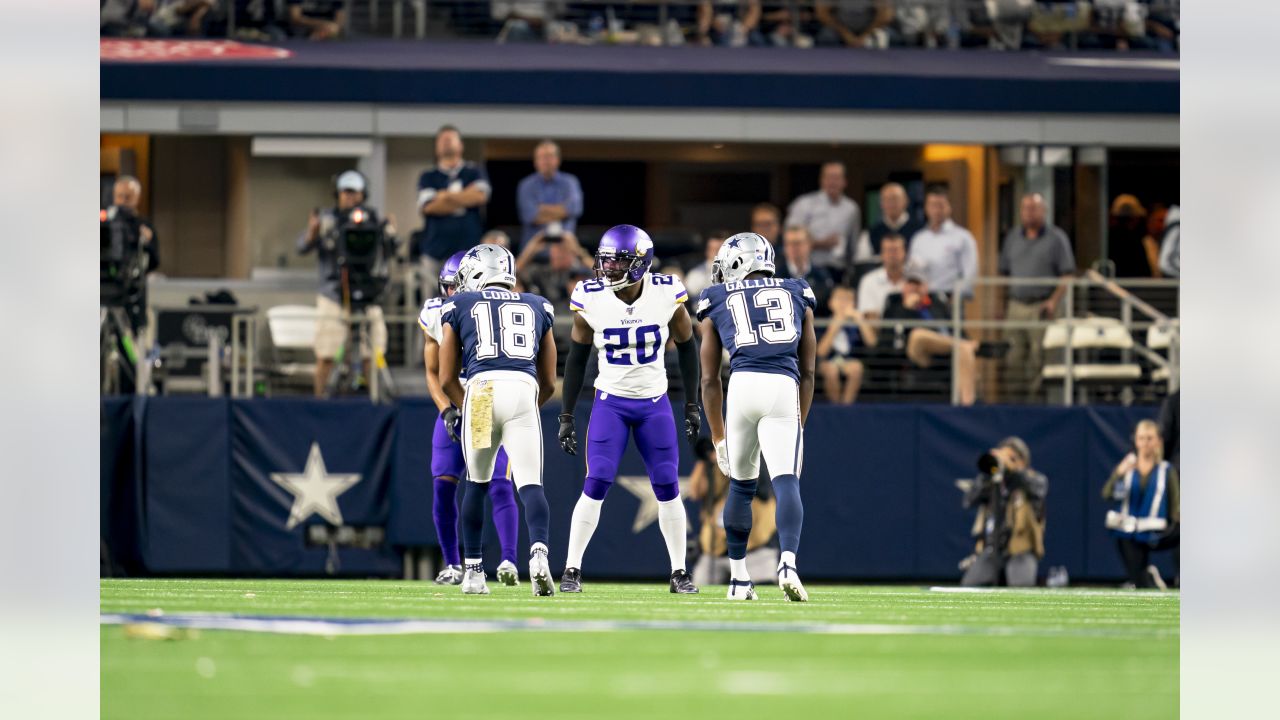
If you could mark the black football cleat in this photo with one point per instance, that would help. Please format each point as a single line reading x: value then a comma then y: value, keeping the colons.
x: 571, y: 581
x: 682, y: 584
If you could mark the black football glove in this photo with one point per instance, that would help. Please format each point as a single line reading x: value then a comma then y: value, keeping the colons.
x: 452, y: 422
x: 692, y: 422
x: 568, y: 435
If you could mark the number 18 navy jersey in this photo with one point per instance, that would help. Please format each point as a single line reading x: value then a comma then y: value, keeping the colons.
x: 499, y: 329
x: 759, y: 322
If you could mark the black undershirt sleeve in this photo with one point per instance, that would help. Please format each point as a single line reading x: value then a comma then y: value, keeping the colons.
x: 575, y: 367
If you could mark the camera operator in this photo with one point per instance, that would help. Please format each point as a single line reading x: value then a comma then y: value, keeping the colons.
x: 336, y: 300
x: 709, y: 487
x: 1009, y: 528
x: 136, y: 235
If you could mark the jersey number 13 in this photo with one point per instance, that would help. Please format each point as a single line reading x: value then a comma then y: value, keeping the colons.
x: 777, y: 327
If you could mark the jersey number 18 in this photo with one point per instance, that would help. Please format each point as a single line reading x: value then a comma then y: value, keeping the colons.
x: 515, y: 337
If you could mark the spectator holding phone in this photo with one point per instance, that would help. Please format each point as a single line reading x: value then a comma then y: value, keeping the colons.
x: 847, y: 334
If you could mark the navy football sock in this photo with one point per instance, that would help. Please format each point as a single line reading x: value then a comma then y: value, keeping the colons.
x: 473, y: 519
x: 790, y: 512
x: 537, y: 514
x: 737, y: 517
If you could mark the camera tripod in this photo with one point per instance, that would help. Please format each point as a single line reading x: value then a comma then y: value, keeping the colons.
x: 118, y: 353
x: 349, y: 365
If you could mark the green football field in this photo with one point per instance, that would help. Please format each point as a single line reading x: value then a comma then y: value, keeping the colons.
x: 329, y: 649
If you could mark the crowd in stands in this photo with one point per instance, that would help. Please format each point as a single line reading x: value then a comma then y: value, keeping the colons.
x: 995, y: 24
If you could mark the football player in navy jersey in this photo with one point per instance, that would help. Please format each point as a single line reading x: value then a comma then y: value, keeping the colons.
x: 628, y: 313
x: 448, y: 466
x: 766, y: 324
x: 503, y: 339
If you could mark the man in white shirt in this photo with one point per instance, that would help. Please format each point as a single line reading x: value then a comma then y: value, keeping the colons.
x: 699, y: 276
x: 833, y: 220
x: 877, y: 285
x: 945, y: 252
x: 895, y: 218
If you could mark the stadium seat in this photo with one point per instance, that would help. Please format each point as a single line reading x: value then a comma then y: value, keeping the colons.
x: 1096, y: 338
x: 293, y: 336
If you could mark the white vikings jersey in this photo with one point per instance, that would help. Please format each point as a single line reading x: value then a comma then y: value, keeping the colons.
x: 429, y: 319
x: 631, y: 339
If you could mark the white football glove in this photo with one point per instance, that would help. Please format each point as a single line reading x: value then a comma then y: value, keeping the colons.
x: 722, y: 456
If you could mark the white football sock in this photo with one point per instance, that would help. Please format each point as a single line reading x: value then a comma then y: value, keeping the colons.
x: 471, y: 562
x: 671, y: 520
x: 738, y: 570
x: 581, y: 527
x: 788, y: 558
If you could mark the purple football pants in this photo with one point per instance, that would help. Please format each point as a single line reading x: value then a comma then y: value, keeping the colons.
x: 447, y: 462
x: 649, y: 421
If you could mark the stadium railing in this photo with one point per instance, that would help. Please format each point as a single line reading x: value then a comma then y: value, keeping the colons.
x: 1115, y: 341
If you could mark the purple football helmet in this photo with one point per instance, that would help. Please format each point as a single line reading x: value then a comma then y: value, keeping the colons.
x: 449, y: 273
x: 624, y: 256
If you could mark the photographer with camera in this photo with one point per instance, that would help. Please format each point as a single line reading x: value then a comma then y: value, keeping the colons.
x: 1009, y: 528
x: 353, y: 249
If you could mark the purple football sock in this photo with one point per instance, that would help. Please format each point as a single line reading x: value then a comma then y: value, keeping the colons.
x: 444, y: 511
x: 506, y: 516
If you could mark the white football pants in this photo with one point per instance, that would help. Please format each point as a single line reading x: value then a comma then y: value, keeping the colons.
x: 762, y: 414
x: 501, y: 410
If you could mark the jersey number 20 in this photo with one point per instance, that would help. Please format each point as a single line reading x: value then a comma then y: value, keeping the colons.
x: 779, y: 327
x: 516, y: 331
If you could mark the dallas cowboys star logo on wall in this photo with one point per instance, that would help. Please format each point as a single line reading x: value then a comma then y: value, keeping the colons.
x: 315, y: 491
x: 639, y: 486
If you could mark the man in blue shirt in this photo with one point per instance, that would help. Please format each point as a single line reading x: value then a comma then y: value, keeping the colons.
x: 451, y: 196
x: 548, y: 200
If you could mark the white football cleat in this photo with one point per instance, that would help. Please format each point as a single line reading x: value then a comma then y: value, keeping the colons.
x: 508, y: 574
x: 789, y: 581
x: 540, y: 572
x: 450, y: 575
x: 473, y: 582
x: 742, y: 590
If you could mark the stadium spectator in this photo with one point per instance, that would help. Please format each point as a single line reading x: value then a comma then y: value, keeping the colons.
x: 709, y: 487
x: 258, y: 20
x: 1169, y: 260
x: 945, y: 252
x: 699, y: 276
x: 922, y: 343
x: 496, y: 237
x: 732, y: 23
x: 1151, y: 240
x: 317, y: 20
x: 1144, y: 487
x: 549, y: 201
x: 451, y: 195
x: 321, y: 236
x: 797, y: 263
x: 846, y: 335
x: 781, y: 23
x: 832, y: 218
x: 1127, y: 227
x: 766, y: 221
x: 919, y: 23
x: 895, y: 218
x: 125, y: 18
x: 566, y: 264
x: 1034, y: 249
x: 524, y: 20
x: 854, y: 24
x: 1009, y: 527
x: 177, y: 17
x: 876, y: 286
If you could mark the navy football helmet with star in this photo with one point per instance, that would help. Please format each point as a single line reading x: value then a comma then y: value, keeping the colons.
x: 741, y: 255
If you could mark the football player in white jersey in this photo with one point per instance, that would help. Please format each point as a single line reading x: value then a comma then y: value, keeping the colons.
x: 766, y: 324
x: 629, y: 313
x: 447, y: 464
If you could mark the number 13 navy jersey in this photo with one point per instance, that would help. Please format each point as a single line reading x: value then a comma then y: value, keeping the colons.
x: 759, y: 322
x: 498, y: 329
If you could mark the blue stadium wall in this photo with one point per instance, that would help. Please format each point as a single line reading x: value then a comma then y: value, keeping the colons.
x: 187, y: 487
